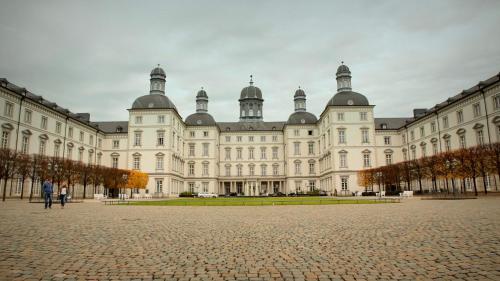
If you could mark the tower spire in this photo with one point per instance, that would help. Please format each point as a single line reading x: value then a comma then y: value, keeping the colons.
x: 251, y: 79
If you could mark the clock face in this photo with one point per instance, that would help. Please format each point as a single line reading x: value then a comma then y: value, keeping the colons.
x: 302, y: 121
x: 198, y: 122
x: 350, y: 102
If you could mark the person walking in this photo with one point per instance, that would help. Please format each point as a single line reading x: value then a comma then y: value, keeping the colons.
x: 62, y: 196
x: 47, y: 192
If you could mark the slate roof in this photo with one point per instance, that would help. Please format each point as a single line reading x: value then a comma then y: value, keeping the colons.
x: 302, y: 117
x: 153, y: 101
x: 250, y: 126
x: 391, y: 123
x: 112, y: 126
x: 200, y: 119
x: 344, y: 98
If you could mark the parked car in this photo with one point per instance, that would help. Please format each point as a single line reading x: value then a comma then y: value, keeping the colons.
x: 207, y: 195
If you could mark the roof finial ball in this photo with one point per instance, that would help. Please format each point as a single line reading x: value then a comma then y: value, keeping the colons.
x: 251, y: 79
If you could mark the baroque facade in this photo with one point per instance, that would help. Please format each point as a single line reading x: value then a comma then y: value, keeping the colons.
x: 250, y: 156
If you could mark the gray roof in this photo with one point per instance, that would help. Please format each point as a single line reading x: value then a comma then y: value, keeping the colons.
x: 299, y: 93
x: 343, y: 69
x: 391, y: 123
x: 251, y: 126
x: 113, y: 126
x: 200, y: 119
x: 348, y: 98
x: 202, y: 93
x: 153, y: 101
x: 158, y: 71
x: 251, y: 92
x: 302, y: 117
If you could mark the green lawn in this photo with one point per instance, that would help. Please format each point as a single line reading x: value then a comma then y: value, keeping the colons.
x: 259, y: 201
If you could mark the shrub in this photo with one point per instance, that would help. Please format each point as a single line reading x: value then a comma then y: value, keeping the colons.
x: 392, y: 193
x: 369, y: 193
x: 187, y: 194
x: 313, y: 193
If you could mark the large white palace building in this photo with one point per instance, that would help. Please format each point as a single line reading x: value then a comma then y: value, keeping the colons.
x: 250, y: 156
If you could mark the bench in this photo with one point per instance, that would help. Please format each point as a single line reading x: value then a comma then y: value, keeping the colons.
x: 406, y: 193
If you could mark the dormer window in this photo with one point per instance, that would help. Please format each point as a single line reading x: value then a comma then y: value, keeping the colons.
x: 383, y: 126
x: 119, y: 129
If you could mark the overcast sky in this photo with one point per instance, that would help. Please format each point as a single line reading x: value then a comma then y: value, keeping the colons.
x: 96, y: 56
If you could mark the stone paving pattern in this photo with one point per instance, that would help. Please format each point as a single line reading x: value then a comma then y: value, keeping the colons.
x: 414, y: 240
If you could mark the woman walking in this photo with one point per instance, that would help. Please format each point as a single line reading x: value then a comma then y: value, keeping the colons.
x: 64, y: 191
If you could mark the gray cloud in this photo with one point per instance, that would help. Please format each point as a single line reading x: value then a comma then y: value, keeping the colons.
x: 95, y: 56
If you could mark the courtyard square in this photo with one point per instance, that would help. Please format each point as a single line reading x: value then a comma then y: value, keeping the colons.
x: 413, y: 240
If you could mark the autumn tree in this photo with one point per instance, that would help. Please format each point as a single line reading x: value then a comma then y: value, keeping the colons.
x: 137, y: 179
x: 23, y: 169
x: 7, y: 167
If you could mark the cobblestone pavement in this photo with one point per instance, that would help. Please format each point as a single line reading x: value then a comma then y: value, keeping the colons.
x: 414, y: 240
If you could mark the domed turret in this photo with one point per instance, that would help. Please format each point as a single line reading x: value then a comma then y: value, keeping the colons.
x: 157, y: 81
x: 300, y: 116
x: 251, y: 103
x: 345, y: 96
x: 201, y: 117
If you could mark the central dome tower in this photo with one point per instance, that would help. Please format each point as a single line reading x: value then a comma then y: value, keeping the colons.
x: 251, y: 103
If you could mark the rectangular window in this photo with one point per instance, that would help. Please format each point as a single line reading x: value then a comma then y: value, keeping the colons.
x: 344, y: 183
x: 204, y: 186
x: 275, y: 153
x: 388, y: 159
x: 363, y: 116
x: 496, y: 101
x: 205, y: 169
x: 159, y: 186
x: 114, y: 162
x: 25, y: 144
x: 161, y: 119
x: 479, y: 137
x: 312, y: 185
x: 82, y: 135
x: 42, y: 146
x: 298, y: 186
x: 263, y: 153
x: 239, y: 171
x: 239, y: 153
x: 5, y: 139
x: 310, y: 148
x: 159, y: 162
x: 56, y: 149
x: 80, y: 155
x: 275, y: 138
x: 364, y: 136
x: 462, y: 141
x: 404, y: 138
x: 297, y: 168
x: 27, y: 116
x: 137, y: 139
x: 447, y: 145
x: 205, y: 134
x: 191, y: 149
x: 228, y: 153
x: 343, y: 160
x: 422, y: 132
x: 263, y: 169
x: 137, y: 163
x: 477, y: 109
x: 387, y: 140
x: 70, y: 132
x: 9, y: 109
x: 262, y: 138
x: 296, y: 132
x: 340, y: 116
x: 58, y: 127
x: 366, y: 160
x: 205, y: 149
x: 69, y: 153
x: 424, y: 151
x: 412, y: 135
x: 250, y: 153
x: 435, y: 148
x: 413, y: 153
x: 445, y: 122
x: 433, y: 127
x: 342, y: 136
x: 228, y: 171
x: 116, y: 144
x: 191, y: 186
x: 251, y: 169
x: 91, y: 140
x: 311, y: 168
x: 310, y: 132
x: 239, y: 138
x: 460, y: 116
x: 44, y: 122
x: 192, y: 134
x: 228, y: 138
x: 250, y: 138
x: 99, y: 143
x: 160, y: 138
x: 296, y: 148
x: 191, y: 169
x: 138, y: 120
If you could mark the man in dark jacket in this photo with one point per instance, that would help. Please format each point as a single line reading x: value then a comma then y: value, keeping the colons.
x: 47, y: 191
